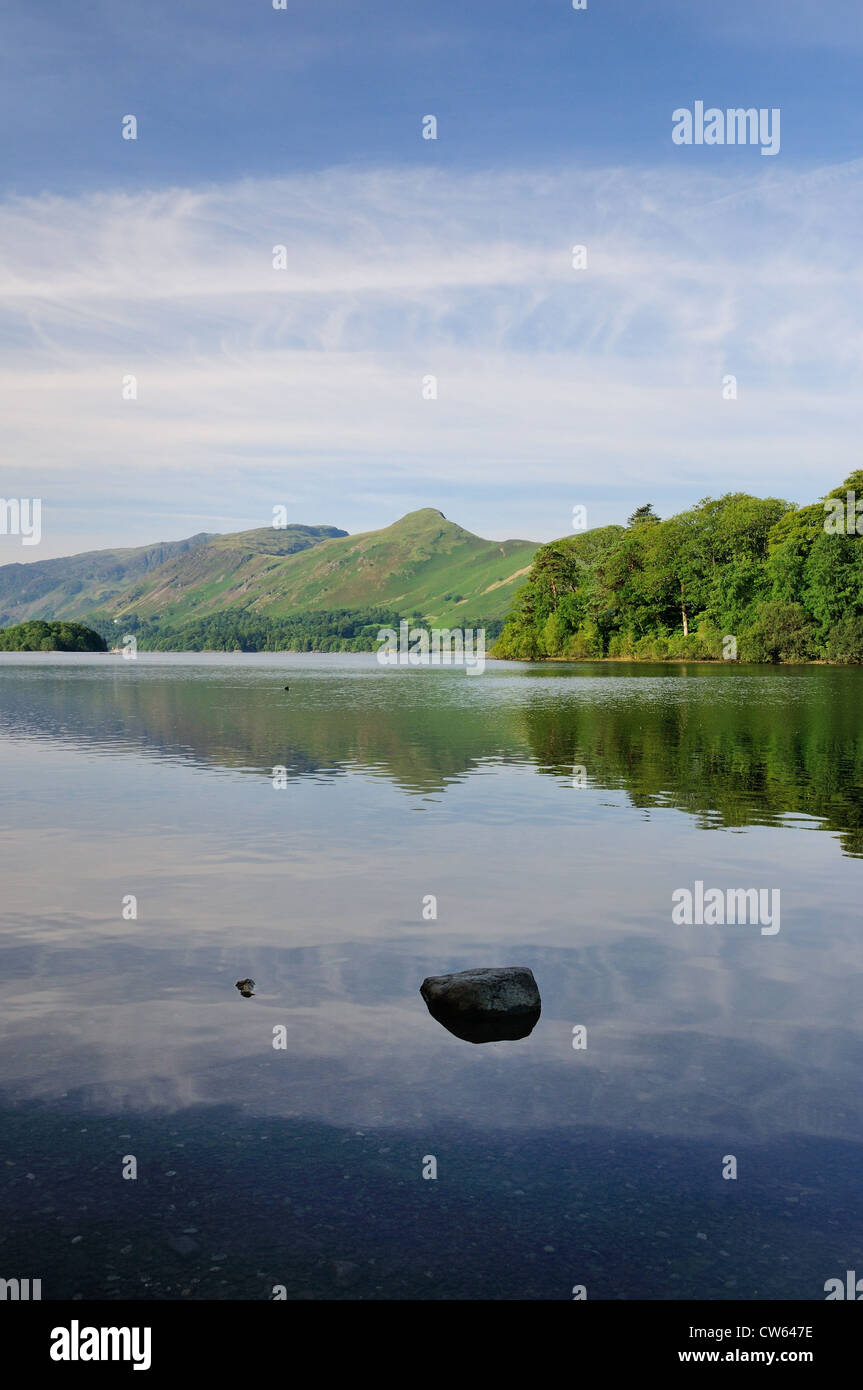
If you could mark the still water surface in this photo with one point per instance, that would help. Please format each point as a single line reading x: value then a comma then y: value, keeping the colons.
x: 302, y: 1166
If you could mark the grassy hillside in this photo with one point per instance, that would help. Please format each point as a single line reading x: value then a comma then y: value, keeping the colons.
x: 101, y: 581
x: 69, y: 586
x: 422, y: 565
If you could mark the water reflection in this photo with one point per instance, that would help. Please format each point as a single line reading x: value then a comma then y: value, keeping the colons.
x: 159, y: 780
x: 730, y: 748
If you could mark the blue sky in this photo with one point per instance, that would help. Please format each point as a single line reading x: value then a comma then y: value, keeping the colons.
x: 408, y: 257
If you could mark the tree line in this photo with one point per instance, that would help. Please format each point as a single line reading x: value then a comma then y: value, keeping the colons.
x: 39, y: 636
x: 757, y: 579
x: 234, y: 630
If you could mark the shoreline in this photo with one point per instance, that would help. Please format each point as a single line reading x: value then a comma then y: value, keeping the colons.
x: 514, y: 660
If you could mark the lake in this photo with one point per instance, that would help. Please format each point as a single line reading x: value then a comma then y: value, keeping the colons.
x: 179, y: 822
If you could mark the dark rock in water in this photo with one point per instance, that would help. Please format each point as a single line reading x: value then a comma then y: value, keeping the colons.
x: 485, y: 1005
x: 246, y: 988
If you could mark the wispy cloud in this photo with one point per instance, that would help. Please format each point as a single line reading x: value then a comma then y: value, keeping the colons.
x: 601, y: 384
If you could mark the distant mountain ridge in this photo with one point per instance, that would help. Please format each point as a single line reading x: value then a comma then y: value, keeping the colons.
x: 422, y: 564
x: 102, y: 580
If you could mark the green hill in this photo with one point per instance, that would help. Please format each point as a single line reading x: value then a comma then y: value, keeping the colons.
x: 77, y: 584
x: 100, y: 581
x: 421, y: 565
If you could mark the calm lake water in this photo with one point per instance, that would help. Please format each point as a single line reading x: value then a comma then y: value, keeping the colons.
x: 303, y: 1166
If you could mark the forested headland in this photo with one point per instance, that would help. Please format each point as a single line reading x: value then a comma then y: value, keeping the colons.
x: 755, y: 579
x: 38, y: 636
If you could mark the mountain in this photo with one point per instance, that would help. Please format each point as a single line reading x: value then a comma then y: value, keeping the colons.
x: 100, y: 581
x: 422, y: 564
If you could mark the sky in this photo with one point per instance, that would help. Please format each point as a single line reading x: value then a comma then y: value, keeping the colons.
x: 429, y: 337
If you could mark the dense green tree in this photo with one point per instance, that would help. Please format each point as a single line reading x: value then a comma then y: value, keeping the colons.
x: 833, y: 578
x: 770, y: 574
x: 39, y: 636
x: 235, y: 630
x: 845, y: 642
x: 642, y: 515
x: 779, y: 632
